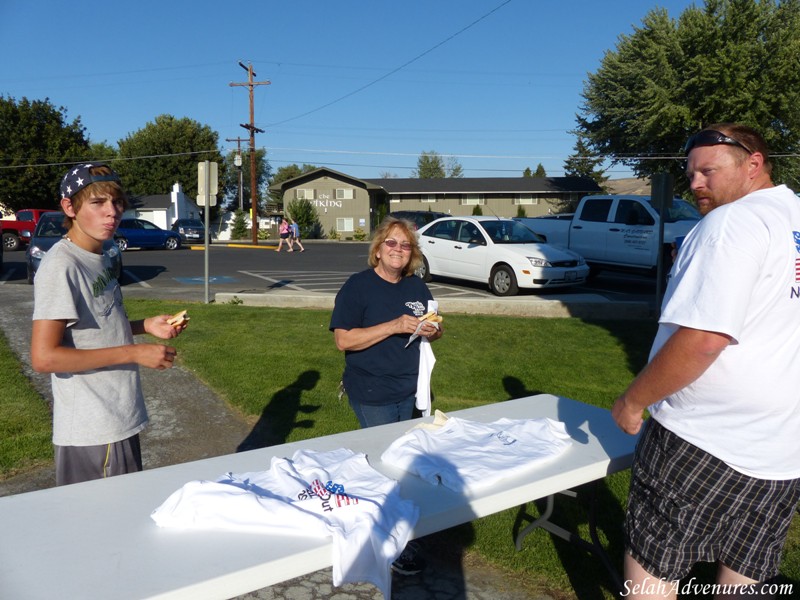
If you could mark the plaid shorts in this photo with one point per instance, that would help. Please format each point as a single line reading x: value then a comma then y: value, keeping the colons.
x: 686, y: 506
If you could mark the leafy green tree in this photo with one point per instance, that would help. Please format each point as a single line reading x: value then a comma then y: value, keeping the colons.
x: 454, y: 168
x: 167, y: 151
x: 527, y: 172
x: 36, y: 140
x: 521, y: 211
x: 582, y: 163
x: 286, y: 173
x: 730, y: 60
x: 540, y: 172
x: 229, y: 184
x: 102, y: 151
x: 306, y: 216
x: 477, y: 210
x: 431, y: 165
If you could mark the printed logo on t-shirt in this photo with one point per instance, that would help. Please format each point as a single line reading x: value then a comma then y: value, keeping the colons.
x: 331, y: 494
x: 418, y: 308
x: 795, y: 289
x: 100, y: 284
x: 797, y: 259
x: 505, y: 438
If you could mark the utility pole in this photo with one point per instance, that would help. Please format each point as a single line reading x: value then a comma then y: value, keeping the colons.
x: 238, y: 163
x: 251, y: 127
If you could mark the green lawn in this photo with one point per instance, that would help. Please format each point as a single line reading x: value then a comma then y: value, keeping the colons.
x: 256, y: 357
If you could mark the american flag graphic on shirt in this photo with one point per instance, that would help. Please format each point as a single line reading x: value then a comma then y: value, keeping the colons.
x: 796, y: 235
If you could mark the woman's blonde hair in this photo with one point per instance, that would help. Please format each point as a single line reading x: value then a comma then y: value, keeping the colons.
x: 388, y: 225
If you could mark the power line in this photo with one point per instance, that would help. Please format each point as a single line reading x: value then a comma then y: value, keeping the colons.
x: 393, y: 71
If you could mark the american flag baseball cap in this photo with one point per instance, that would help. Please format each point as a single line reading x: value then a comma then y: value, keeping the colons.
x: 78, y: 177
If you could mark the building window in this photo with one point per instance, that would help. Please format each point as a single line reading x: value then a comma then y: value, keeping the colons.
x: 526, y: 199
x: 472, y: 200
x: 428, y: 198
x: 303, y: 194
x: 344, y: 194
x: 344, y: 224
x: 394, y: 200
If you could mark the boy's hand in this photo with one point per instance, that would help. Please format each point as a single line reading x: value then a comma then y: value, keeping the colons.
x: 155, y: 356
x: 161, y: 327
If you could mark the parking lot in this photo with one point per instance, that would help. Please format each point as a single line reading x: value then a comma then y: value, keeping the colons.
x: 321, y: 269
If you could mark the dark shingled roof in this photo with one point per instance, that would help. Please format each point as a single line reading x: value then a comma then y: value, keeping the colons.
x: 487, y: 185
x: 459, y: 185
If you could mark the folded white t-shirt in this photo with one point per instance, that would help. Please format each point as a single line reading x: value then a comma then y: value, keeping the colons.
x: 317, y: 494
x: 463, y: 455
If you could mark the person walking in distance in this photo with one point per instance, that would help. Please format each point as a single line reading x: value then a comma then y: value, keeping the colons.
x: 294, y: 230
x: 284, y: 233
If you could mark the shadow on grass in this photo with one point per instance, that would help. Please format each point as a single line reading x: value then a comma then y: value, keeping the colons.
x: 594, y: 570
x: 588, y: 575
x: 636, y: 337
x: 279, y: 416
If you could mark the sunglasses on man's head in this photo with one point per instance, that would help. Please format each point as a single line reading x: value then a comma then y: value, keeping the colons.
x: 404, y: 246
x: 711, y: 137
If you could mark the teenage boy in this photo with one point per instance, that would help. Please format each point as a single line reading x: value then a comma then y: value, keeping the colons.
x: 82, y: 336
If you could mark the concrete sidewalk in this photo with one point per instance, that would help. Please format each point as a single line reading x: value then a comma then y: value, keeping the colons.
x: 582, y: 306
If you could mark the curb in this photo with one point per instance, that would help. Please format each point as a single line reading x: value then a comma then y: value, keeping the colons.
x: 601, y: 309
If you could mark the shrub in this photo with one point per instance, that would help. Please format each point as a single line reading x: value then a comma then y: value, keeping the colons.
x: 239, y: 231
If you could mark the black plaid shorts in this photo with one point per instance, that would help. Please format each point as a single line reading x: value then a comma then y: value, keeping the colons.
x: 686, y: 506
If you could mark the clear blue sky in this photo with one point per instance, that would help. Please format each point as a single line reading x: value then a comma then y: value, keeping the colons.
x: 361, y: 86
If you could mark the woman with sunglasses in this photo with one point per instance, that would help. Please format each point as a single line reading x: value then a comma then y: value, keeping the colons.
x: 375, y: 313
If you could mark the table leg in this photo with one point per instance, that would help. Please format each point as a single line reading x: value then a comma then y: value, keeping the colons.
x: 594, y: 547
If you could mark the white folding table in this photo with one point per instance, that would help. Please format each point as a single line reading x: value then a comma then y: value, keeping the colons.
x: 96, y: 540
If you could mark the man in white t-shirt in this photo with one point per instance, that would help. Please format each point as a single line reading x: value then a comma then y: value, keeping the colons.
x: 716, y: 477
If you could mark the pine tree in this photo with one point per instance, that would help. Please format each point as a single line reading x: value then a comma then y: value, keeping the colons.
x: 583, y: 164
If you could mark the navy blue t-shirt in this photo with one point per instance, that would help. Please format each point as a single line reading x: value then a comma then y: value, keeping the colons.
x: 387, y: 371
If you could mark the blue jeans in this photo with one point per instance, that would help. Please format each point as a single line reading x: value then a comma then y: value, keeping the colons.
x: 370, y: 415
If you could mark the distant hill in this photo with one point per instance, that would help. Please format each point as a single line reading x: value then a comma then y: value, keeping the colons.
x: 628, y: 185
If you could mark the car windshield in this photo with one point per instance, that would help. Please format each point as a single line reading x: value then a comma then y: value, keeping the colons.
x: 510, y: 232
x: 50, y: 226
x: 679, y: 211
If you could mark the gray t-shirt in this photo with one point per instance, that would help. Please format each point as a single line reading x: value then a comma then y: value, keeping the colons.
x: 105, y: 405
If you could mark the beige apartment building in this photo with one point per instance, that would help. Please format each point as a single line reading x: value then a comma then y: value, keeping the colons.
x: 351, y: 205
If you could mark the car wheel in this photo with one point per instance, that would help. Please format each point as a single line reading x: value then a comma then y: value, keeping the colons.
x: 121, y: 243
x: 10, y: 242
x: 424, y: 271
x: 172, y: 243
x: 503, y: 282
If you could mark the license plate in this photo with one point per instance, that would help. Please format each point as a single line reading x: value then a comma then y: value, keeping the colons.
x: 571, y: 275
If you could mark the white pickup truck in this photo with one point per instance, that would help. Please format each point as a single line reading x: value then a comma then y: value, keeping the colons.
x: 616, y: 232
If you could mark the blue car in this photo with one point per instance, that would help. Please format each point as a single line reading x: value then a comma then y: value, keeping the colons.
x: 138, y: 233
x: 49, y: 230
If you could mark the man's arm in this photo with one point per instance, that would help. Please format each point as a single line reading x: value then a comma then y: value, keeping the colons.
x: 681, y: 360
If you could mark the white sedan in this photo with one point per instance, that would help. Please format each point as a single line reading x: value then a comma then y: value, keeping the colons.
x: 502, y: 252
